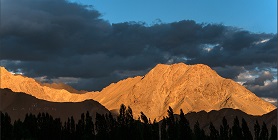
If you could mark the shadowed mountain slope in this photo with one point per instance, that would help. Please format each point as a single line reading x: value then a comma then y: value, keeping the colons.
x: 18, y: 104
x: 204, y: 118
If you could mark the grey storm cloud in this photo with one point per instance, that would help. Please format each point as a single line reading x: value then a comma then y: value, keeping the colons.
x: 230, y: 72
x: 55, y: 38
x: 269, y: 90
x: 260, y: 81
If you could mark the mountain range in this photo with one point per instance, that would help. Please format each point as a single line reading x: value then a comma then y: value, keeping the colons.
x: 18, y: 104
x: 192, y: 88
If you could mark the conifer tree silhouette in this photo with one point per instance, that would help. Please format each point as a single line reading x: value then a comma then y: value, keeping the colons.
x: 6, y: 127
x: 224, y: 129
x: 264, y: 132
x: 89, y: 127
x: 44, y: 127
x: 144, y: 118
x: 236, y: 130
x: 163, y: 135
x: 111, y: 125
x: 273, y: 135
x: 199, y: 133
x: 18, y: 130
x: 80, y: 127
x: 30, y: 127
x: 121, y: 118
x: 184, y: 128
x: 101, y: 127
x: 257, y: 130
x: 155, y: 130
x: 245, y: 131
x: 172, y: 132
x: 72, y: 128
x: 214, y: 134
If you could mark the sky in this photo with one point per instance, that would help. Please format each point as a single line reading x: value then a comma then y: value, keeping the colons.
x: 90, y: 44
x: 252, y: 15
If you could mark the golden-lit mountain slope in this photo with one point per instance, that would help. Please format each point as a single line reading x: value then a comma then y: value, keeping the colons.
x: 181, y: 86
x: 19, y: 83
x: 63, y: 86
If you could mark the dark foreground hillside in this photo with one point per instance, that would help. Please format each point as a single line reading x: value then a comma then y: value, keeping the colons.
x: 124, y: 126
x: 17, y: 104
x: 204, y: 118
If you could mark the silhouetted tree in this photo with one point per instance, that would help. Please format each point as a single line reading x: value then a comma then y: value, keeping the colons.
x: 6, y: 127
x: 257, y: 130
x: 184, y: 128
x: 146, y: 127
x: 30, y: 127
x: 214, y: 134
x: 224, y: 129
x: 41, y: 125
x: 18, y: 129
x: 264, y: 132
x: 199, y: 134
x: 56, y: 129
x: 72, y: 128
x: 80, y: 127
x: 139, y: 135
x: 245, y: 131
x: 111, y: 125
x: 172, y: 132
x: 236, y: 130
x: 101, y: 127
x: 89, y: 127
x: 66, y: 130
x: 163, y: 130
x: 144, y: 118
x: 273, y: 135
x: 129, y: 116
x: 44, y: 126
x: 171, y: 117
x: 155, y: 130
x: 125, y: 121
x: 130, y: 123
x: 121, y: 118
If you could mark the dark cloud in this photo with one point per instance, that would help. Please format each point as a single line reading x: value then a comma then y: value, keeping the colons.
x: 267, y: 90
x: 230, y: 72
x: 95, y: 83
x: 246, y: 54
x: 239, y: 40
x: 260, y: 81
x: 41, y: 30
x: 55, y: 38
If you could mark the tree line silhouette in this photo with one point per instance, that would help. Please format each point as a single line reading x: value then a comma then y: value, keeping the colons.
x: 124, y: 127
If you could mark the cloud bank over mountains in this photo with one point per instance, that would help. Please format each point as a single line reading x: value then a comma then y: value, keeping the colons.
x: 58, y: 41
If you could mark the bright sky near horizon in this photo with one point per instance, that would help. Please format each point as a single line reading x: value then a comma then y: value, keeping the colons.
x: 253, y: 15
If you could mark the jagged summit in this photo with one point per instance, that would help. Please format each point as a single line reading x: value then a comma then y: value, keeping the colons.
x: 181, y: 86
x: 188, y: 87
